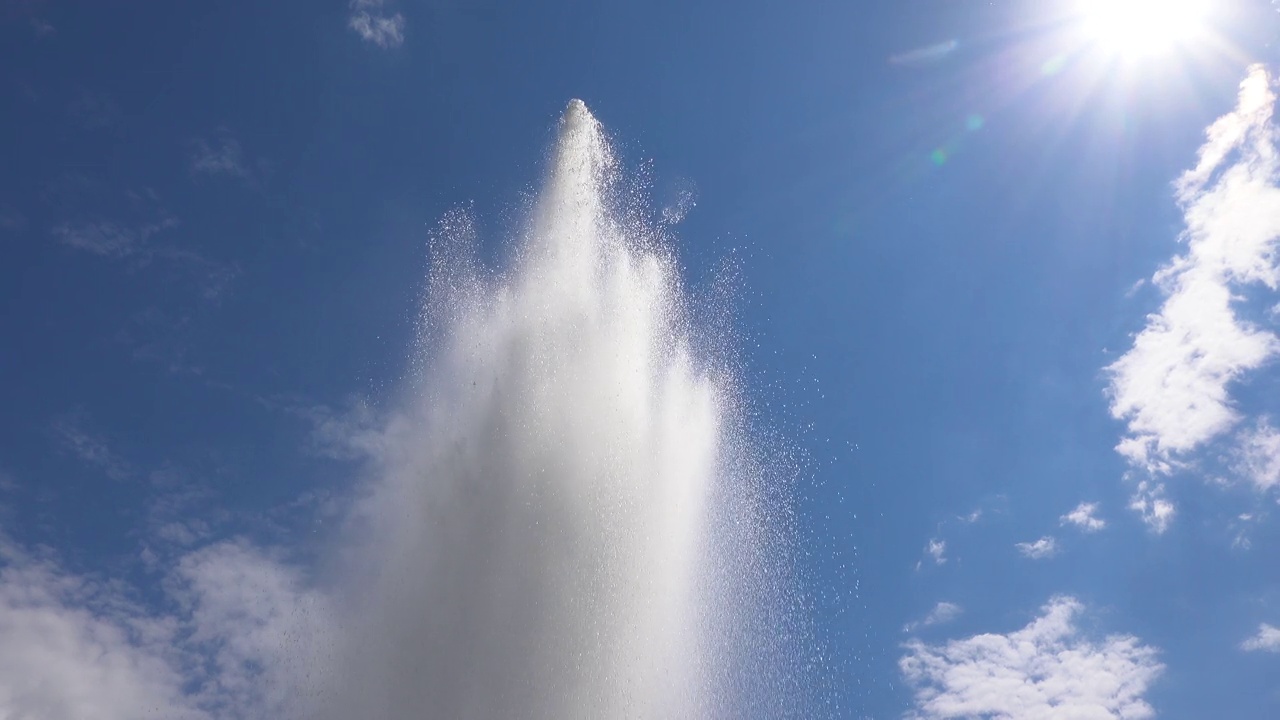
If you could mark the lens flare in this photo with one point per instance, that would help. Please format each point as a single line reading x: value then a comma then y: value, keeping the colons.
x: 1143, y: 28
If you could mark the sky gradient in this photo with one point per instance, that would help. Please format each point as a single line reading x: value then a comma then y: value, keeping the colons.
x: 1006, y: 295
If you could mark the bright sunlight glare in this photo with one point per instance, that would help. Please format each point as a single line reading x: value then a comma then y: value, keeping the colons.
x: 1143, y: 28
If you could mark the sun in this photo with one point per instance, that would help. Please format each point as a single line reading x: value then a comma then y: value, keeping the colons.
x: 1143, y: 28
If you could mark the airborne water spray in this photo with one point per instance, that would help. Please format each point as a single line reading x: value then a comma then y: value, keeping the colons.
x: 568, y: 521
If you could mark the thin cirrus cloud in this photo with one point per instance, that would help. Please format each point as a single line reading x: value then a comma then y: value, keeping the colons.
x: 73, y: 435
x: 1084, y: 517
x: 374, y: 24
x: 1047, y: 669
x: 138, y: 243
x: 1045, y: 547
x: 1173, y: 386
x: 107, y: 238
x: 1266, y: 640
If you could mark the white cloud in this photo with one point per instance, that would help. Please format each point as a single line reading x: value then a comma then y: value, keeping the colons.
x: 373, y: 24
x: 1258, y: 454
x: 1045, y: 547
x: 1045, y: 670
x: 70, y: 648
x: 1173, y: 386
x: 242, y: 644
x: 1267, y: 640
x: 943, y: 612
x: 1084, y: 518
x: 264, y: 635
x: 72, y: 434
x: 1152, y: 506
x: 937, y: 549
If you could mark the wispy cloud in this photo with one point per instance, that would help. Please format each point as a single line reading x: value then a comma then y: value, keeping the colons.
x: 178, y: 512
x: 1173, y: 387
x: 351, y: 431
x: 133, y: 235
x: 74, y: 436
x: 1267, y: 640
x: 107, y: 238
x: 1084, y: 516
x: 371, y: 21
x: 1045, y: 670
x: 1151, y: 504
x: 943, y: 612
x: 222, y: 154
x: 1045, y: 547
x: 31, y: 11
x: 937, y: 549
x: 1258, y: 454
x: 213, y: 279
x: 1240, y: 528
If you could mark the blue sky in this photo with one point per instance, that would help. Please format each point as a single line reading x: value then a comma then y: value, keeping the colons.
x: 1007, y: 290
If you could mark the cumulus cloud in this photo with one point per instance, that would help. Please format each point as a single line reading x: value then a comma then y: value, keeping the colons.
x: 943, y: 612
x: 373, y: 24
x: 72, y: 648
x: 1173, y: 386
x: 75, y: 646
x: 263, y: 636
x: 1045, y: 547
x: 1084, y: 517
x: 1267, y: 640
x: 1045, y: 670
